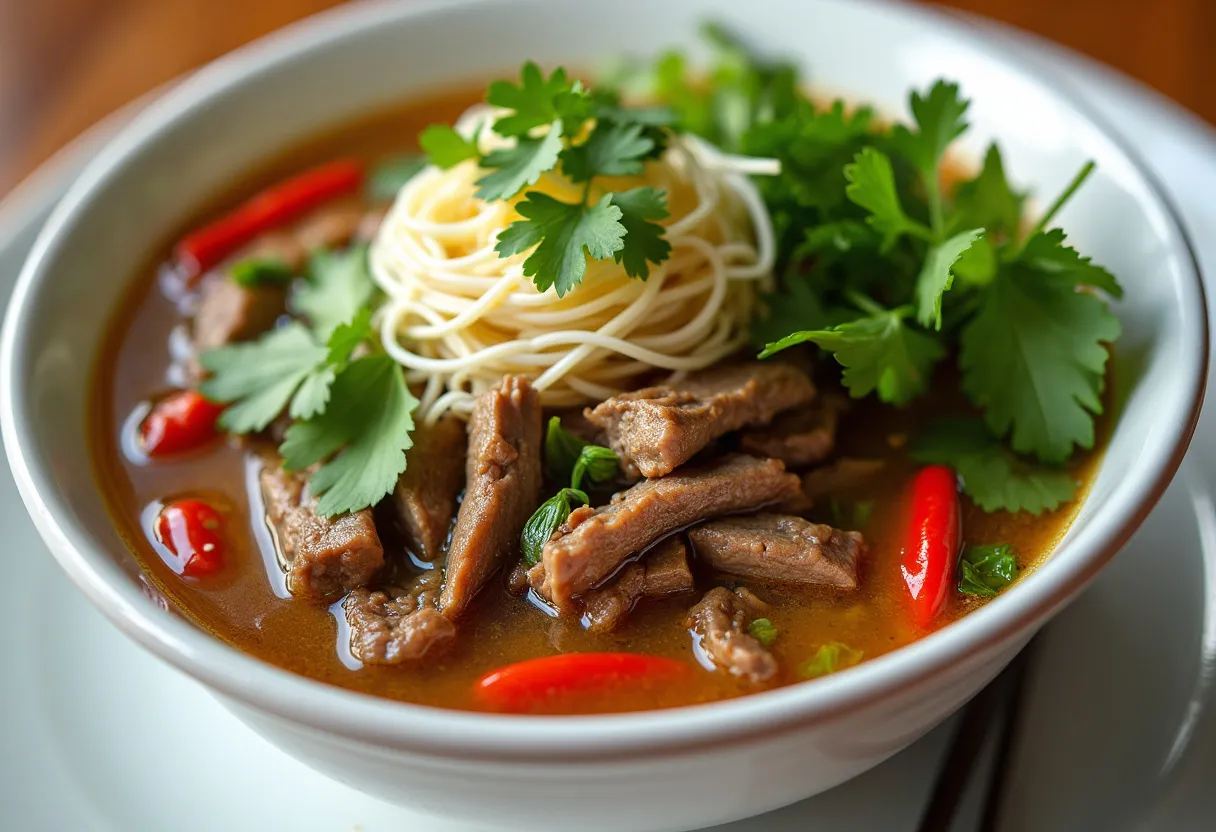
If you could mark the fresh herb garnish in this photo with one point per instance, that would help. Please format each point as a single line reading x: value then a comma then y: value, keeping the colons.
x: 829, y: 658
x: 339, y: 285
x: 390, y: 176
x: 986, y: 570
x: 596, y: 462
x: 992, y: 475
x: 260, y: 271
x: 763, y: 631
x: 541, y: 525
x: 558, y: 126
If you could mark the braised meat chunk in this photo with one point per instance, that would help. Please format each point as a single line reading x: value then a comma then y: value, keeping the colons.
x: 799, y: 437
x: 593, y: 542
x: 426, y: 492
x: 777, y: 547
x: 663, y: 571
x: 503, y: 475
x: 845, y: 474
x: 325, y: 557
x: 657, y: 429
x: 228, y: 312
x: 719, y: 621
x: 398, y: 625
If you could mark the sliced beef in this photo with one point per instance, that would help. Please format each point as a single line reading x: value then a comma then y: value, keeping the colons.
x: 845, y: 474
x: 592, y: 543
x: 228, y: 312
x: 502, y: 489
x: 780, y: 548
x: 657, y: 429
x: 720, y: 621
x: 426, y: 492
x: 799, y: 437
x: 664, y: 571
x: 398, y: 625
x: 325, y: 557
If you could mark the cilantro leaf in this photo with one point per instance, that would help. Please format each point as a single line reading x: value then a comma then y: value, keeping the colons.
x: 988, y: 201
x: 763, y: 631
x: 445, y: 147
x: 519, y: 166
x: 564, y: 235
x: 1046, y: 252
x: 992, y: 476
x: 339, y: 285
x: 561, y: 449
x: 939, y: 119
x: 533, y: 100
x: 829, y: 658
x: 986, y: 570
x: 872, y: 186
x: 540, y: 526
x: 367, y: 424
x: 259, y: 377
x: 390, y: 176
x: 260, y: 271
x: 594, y: 461
x: 879, y: 352
x: 613, y: 149
x: 644, y: 241
x: 1034, y: 359
x: 796, y: 309
x: 937, y: 276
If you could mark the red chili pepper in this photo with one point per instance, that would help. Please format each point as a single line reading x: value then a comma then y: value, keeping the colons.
x: 179, y: 422
x: 192, y: 531
x: 528, y: 686
x: 278, y: 205
x: 931, y: 546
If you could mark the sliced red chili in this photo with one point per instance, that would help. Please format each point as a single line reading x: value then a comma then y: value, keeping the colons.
x: 181, y: 421
x: 192, y: 531
x: 931, y: 543
x: 278, y: 205
x: 534, y: 685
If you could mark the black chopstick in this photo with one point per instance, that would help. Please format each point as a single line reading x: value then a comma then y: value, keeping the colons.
x: 998, y: 706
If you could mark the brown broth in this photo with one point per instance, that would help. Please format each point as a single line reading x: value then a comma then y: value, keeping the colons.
x: 245, y: 605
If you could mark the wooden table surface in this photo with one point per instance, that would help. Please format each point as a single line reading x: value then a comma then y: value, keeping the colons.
x: 64, y: 64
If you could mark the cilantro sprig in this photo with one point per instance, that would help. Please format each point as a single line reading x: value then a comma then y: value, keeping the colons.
x: 556, y: 126
x: 892, y: 269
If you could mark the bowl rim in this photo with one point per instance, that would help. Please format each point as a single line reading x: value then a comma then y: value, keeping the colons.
x: 469, y: 736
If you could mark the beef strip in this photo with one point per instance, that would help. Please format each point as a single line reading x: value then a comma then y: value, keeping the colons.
x: 720, y: 621
x: 325, y: 557
x: 780, y: 548
x: 593, y: 542
x: 398, y: 625
x: 798, y: 437
x: 502, y: 489
x: 228, y: 312
x: 426, y: 492
x: 844, y: 474
x: 664, y: 571
x: 657, y: 429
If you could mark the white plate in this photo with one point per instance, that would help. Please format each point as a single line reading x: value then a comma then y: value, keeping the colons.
x: 97, y: 734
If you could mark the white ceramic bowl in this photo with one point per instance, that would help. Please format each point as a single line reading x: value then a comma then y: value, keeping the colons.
x: 666, y: 770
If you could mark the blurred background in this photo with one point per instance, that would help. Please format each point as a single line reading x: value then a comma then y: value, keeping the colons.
x: 64, y: 64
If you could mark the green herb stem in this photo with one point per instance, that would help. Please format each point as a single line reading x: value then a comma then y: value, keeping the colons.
x: 1077, y: 182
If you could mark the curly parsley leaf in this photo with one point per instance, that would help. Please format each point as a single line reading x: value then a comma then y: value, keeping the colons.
x: 763, y: 630
x: 986, y: 570
x: 445, y: 147
x: 1034, y: 360
x: 879, y: 352
x: 541, y: 525
x: 937, y: 276
x: 515, y: 168
x: 644, y: 240
x: 361, y: 436
x: 872, y: 186
x: 533, y: 101
x: 988, y: 201
x: 339, y: 285
x: 613, y: 149
x: 564, y: 234
x: 992, y: 476
x: 940, y: 119
x: 1045, y: 252
x: 830, y: 658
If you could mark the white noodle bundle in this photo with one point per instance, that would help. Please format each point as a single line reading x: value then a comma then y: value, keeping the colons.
x: 458, y: 317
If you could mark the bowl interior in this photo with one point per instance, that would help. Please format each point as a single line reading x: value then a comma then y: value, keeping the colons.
x: 235, y: 114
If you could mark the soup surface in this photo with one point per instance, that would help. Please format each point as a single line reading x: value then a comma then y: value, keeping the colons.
x: 247, y: 602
